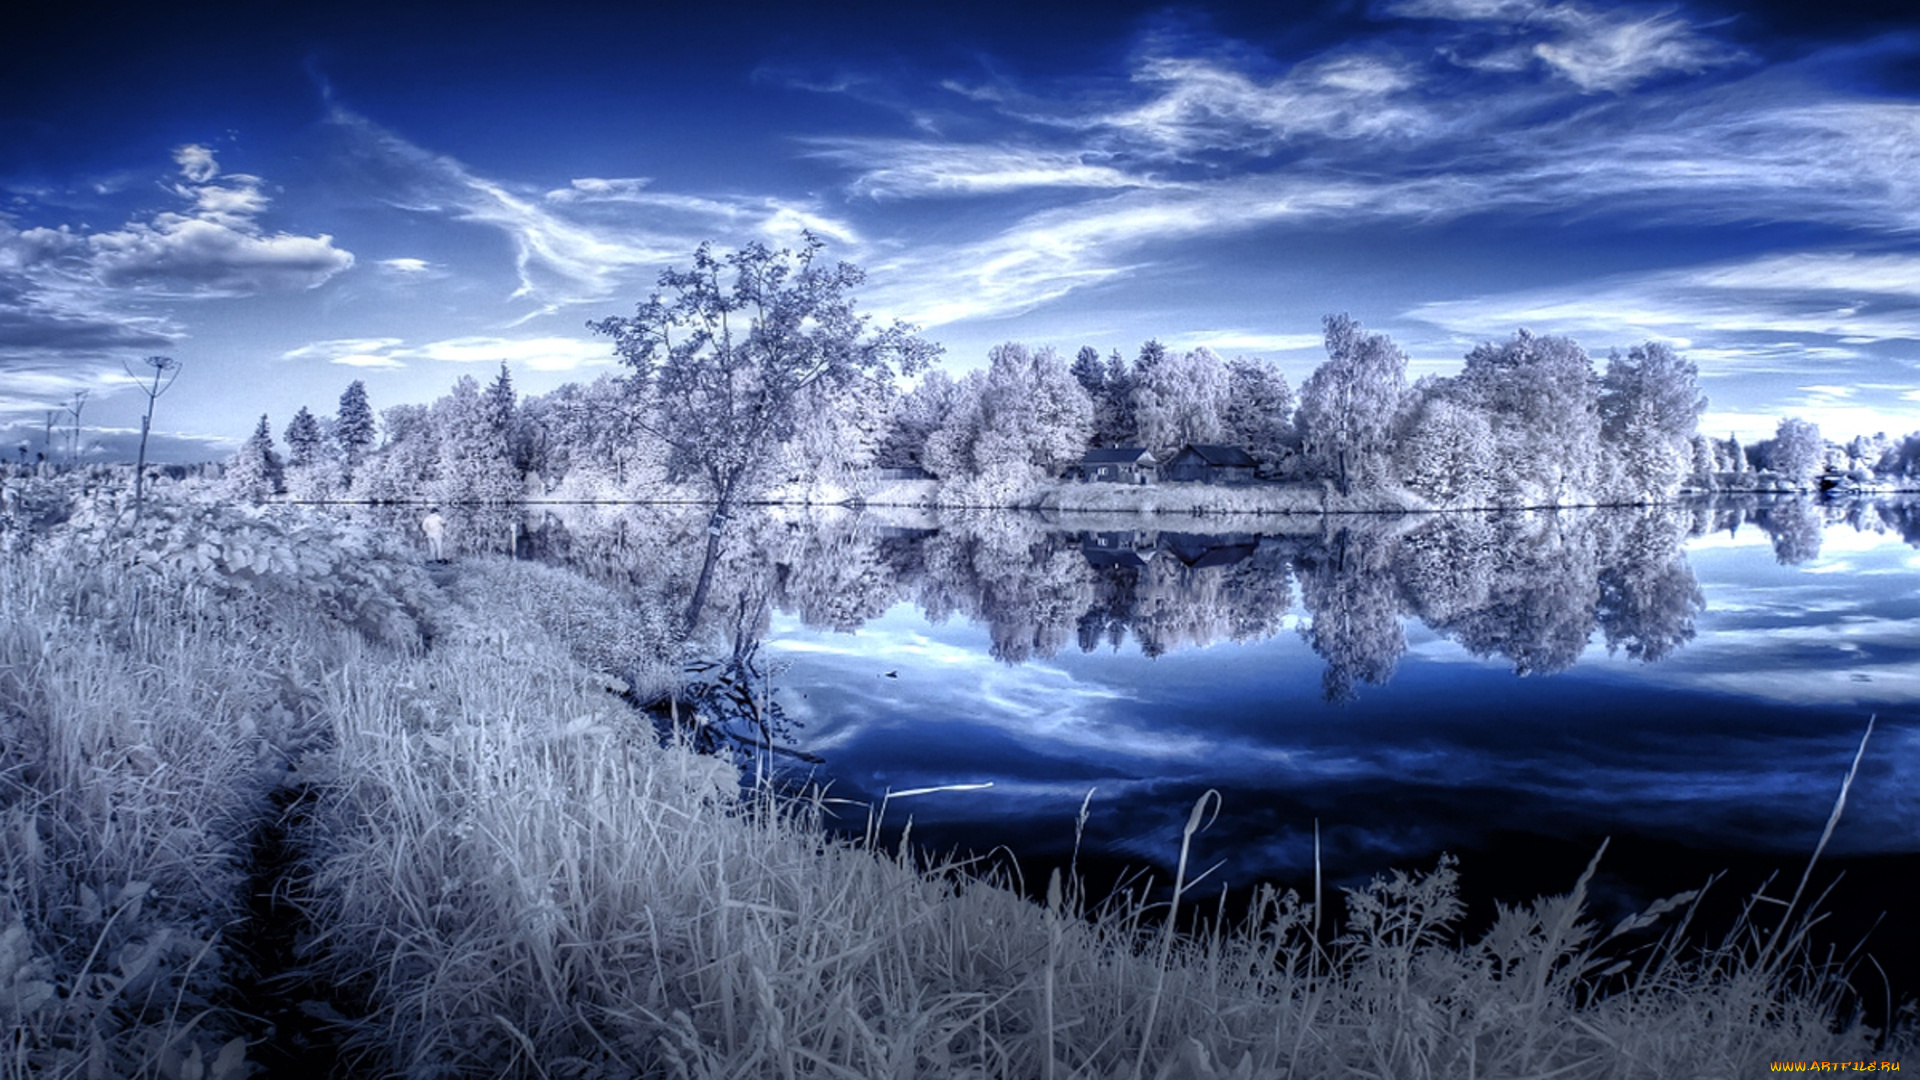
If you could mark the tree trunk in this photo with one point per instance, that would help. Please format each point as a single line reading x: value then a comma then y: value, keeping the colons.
x: 716, y: 526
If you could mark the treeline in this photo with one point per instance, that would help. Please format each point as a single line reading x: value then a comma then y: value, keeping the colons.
x: 1529, y: 421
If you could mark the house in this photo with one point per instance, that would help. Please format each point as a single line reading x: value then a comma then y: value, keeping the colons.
x: 1119, y: 465
x: 1209, y: 464
x: 1119, y: 548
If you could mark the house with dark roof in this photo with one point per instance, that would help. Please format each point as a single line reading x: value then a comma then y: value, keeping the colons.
x: 1210, y: 464
x: 1119, y: 465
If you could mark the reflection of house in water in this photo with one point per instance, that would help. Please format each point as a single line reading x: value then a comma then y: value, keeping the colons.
x: 1199, y: 550
x: 1119, y: 465
x: 1209, y: 464
x: 1120, y: 547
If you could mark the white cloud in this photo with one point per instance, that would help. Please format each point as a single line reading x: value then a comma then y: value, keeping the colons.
x: 551, y: 353
x: 1593, y: 49
x: 596, y: 238
x: 407, y: 267
x: 1613, y: 53
x: 1200, y: 104
x: 1227, y: 341
x: 214, y: 249
x: 904, y: 168
x: 1792, y: 294
x: 539, y: 353
x: 196, y: 163
x: 351, y: 352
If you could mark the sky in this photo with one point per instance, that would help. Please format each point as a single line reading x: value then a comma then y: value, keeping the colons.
x: 287, y: 198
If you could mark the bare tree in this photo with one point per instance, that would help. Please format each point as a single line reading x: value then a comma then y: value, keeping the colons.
x: 165, y: 370
x: 73, y: 440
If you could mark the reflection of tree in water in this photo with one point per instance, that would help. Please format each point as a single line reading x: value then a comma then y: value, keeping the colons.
x: 836, y: 578
x: 1020, y: 579
x: 1794, y: 526
x: 1348, y: 588
x: 1528, y: 587
x: 1649, y: 597
x: 1542, y: 592
x: 1903, y: 517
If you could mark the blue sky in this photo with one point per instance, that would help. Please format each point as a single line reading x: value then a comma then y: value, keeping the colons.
x: 289, y: 199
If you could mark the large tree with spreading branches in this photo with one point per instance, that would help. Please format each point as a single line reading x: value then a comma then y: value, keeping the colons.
x: 727, y: 348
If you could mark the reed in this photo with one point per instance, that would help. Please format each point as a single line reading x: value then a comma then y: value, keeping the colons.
x: 527, y: 884
x: 509, y: 875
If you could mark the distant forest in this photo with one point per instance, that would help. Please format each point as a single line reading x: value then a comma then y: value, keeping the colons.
x: 1529, y: 421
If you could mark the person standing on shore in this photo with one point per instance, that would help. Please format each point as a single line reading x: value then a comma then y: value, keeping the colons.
x: 435, y: 527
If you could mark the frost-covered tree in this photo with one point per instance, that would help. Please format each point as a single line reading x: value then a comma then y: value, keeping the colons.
x: 1649, y: 405
x: 353, y: 429
x: 1701, y: 448
x: 1735, y: 457
x: 1023, y: 419
x: 838, y: 430
x: 914, y: 417
x: 1259, y: 412
x: 255, y: 472
x: 1540, y: 396
x: 310, y: 470
x: 725, y: 347
x: 407, y: 466
x: 1180, y: 398
x: 1113, y: 409
x: 1797, y: 449
x: 1901, y: 461
x: 1444, y: 449
x: 1089, y: 371
x: 473, y: 462
x: 305, y: 444
x: 1347, y: 405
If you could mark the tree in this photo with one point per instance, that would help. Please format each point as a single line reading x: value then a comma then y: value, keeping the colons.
x: 353, y: 430
x: 1347, y: 405
x: 255, y: 472
x: 165, y: 370
x: 309, y: 467
x: 914, y: 417
x: 472, y: 458
x: 74, y: 409
x: 1113, y: 409
x: 726, y: 347
x: 304, y: 441
x: 1179, y: 399
x: 1540, y: 396
x: 1089, y: 371
x: 1444, y: 449
x: 1649, y: 406
x: 1797, y: 449
x: 1259, y: 412
x: 1023, y: 419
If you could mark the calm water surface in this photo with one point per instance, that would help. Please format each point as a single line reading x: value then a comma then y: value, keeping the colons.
x: 1512, y: 690
x: 1690, y: 682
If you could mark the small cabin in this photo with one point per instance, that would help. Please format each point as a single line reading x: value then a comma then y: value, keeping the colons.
x: 1210, y: 464
x: 1119, y: 548
x: 1119, y: 465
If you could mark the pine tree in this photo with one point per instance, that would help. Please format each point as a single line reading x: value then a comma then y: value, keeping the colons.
x: 500, y: 403
x: 255, y: 473
x: 353, y: 430
x: 304, y: 441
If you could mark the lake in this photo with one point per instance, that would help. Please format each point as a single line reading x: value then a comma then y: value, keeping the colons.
x: 1692, y: 682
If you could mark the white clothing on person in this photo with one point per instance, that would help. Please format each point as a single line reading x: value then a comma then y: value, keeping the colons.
x: 435, y: 527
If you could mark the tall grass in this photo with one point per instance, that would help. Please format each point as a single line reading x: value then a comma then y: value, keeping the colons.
x: 513, y: 877
x: 524, y: 883
x: 135, y: 757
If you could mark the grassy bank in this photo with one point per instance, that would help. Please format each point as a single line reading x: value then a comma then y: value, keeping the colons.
x: 503, y: 872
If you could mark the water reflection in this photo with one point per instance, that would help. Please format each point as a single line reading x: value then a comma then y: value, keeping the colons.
x: 1700, y: 726
x: 1532, y: 589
